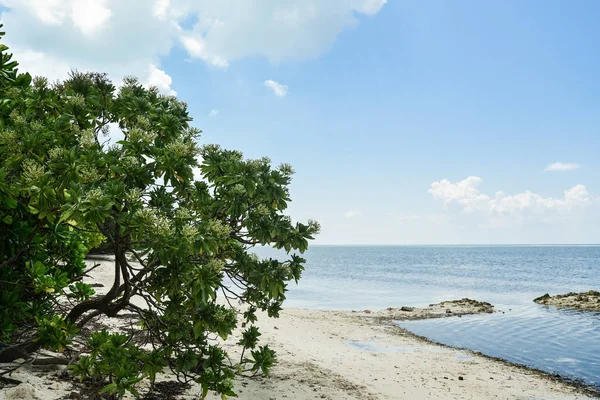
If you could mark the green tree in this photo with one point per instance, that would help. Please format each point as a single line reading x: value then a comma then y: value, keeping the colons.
x: 62, y: 186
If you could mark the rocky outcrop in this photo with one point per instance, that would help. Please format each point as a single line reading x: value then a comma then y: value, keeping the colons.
x: 587, y: 301
x: 453, y: 308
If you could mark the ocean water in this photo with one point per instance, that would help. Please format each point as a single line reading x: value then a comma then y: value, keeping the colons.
x: 510, y: 277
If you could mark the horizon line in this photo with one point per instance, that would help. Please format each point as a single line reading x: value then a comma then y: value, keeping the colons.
x: 456, y: 244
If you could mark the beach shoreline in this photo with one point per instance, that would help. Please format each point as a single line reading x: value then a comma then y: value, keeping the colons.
x: 577, y: 384
x: 428, y: 369
x: 334, y: 354
x: 327, y: 354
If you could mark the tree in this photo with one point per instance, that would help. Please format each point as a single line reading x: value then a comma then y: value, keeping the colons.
x: 63, y: 186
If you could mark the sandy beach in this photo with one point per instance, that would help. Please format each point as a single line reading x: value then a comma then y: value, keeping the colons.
x: 341, y: 355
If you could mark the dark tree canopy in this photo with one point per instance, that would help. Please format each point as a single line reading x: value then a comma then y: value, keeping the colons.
x: 181, y: 241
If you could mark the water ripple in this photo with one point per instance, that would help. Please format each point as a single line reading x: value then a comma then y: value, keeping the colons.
x: 567, y: 343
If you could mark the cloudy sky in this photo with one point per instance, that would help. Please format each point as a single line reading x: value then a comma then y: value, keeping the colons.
x: 407, y: 122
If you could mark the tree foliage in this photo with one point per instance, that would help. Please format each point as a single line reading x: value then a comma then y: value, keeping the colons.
x: 189, y: 228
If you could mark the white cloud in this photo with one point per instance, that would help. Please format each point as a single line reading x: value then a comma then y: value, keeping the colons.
x: 277, y: 88
x: 160, y: 79
x: 466, y: 194
x: 371, y: 7
x: 40, y: 64
x: 197, y: 48
x: 213, y: 113
x: 574, y: 198
x: 559, y: 166
x: 353, y: 214
x: 49, y: 12
x: 121, y: 38
x: 90, y: 15
x: 51, y: 37
x: 276, y: 29
x: 161, y: 8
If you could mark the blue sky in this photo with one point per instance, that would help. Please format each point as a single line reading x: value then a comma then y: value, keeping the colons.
x: 402, y: 119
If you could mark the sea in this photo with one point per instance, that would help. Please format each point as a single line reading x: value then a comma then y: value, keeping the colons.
x: 564, y: 342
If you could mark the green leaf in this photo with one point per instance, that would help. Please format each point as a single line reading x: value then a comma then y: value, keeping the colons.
x: 111, y: 388
x: 199, y: 327
x: 10, y: 202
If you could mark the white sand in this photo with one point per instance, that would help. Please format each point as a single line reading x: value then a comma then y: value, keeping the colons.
x: 345, y: 355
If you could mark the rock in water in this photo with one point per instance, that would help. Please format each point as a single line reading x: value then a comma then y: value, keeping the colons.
x: 586, y: 301
x: 542, y: 299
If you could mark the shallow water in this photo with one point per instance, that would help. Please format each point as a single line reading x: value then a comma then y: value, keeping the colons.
x: 557, y: 341
x: 372, y: 346
x: 510, y: 277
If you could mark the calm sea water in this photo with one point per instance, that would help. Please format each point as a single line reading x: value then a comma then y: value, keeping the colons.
x: 510, y: 277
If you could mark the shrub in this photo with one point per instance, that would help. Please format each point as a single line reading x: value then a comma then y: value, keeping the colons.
x: 190, y: 227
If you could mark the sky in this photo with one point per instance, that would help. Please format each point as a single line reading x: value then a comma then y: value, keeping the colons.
x: 407, y: 122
